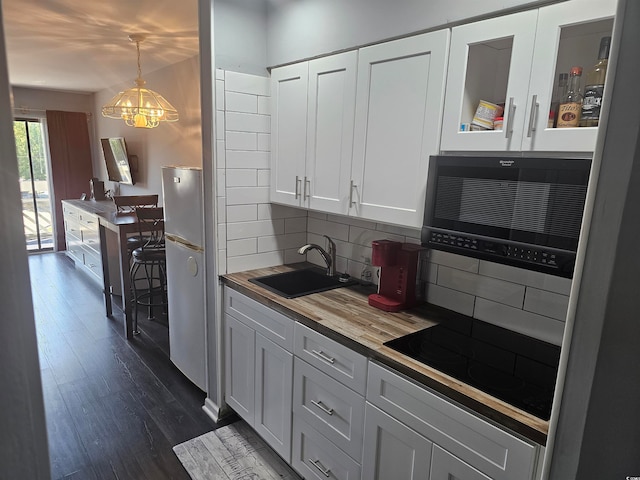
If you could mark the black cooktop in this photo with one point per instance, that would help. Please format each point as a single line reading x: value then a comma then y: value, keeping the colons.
x: 515, y: 368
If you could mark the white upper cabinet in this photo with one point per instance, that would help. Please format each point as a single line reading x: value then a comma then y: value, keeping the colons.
x: 399, y: 103
x: 515, y: 60
x: 288, y: 132
x: 331, y: 105
x: 489, y: 60
x: 566, y: 36
x: 312, y: 132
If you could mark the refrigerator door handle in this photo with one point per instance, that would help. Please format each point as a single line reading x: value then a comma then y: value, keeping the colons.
x: 183, y: 242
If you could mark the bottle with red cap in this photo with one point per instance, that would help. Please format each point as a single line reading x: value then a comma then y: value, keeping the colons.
x: 571, y: 104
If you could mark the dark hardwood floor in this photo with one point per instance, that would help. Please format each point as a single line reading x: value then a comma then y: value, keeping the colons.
x: 114, y: 408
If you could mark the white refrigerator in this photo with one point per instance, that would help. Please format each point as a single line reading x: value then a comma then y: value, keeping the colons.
x: 184, y: 239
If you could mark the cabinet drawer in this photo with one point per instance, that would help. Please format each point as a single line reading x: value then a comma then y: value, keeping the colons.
x: 337, y: 361
x: 315, y: 457
x: 271, y: 324
x: 88, y: 220
x: 70, y: 211
x: 72, y: 228
x: 488, y: 448
x: 93, y: 262
x: 90, y: 238
x: 334, y: 410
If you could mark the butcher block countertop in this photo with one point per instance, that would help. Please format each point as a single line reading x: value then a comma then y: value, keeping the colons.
x: 345, y: 316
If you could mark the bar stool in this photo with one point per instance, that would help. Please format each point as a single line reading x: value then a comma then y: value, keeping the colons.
x: 126, y: 205
x: 148, y: 267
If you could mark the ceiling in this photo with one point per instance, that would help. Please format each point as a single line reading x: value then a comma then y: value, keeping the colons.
x: 83, y: 45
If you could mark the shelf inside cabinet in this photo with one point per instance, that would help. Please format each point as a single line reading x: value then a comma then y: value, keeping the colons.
x: 487, y: 76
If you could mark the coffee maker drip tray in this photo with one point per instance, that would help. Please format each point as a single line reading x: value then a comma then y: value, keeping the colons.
x: 515, y: 368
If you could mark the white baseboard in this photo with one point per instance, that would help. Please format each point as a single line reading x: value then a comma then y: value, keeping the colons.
x: 211, y: 409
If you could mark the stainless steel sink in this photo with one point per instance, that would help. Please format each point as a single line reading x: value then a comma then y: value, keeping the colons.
x: 297, y: 283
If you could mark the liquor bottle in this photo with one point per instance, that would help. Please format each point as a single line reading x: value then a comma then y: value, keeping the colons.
x: 558, y: 95
x: 594, y: 86
x: 571, y: 104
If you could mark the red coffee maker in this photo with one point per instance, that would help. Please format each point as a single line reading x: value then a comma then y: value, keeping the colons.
x: 398, y: 264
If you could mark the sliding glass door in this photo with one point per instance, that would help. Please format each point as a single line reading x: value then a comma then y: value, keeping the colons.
x: 34, y: 184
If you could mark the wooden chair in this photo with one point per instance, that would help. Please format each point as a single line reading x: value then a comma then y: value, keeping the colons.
x: 148, y: 268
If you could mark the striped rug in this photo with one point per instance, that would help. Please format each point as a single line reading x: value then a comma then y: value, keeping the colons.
x: 233, y: 452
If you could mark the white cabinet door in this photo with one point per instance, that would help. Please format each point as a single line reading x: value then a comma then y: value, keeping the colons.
x: 445, y: 466
x: 240, y: 368
x: 274, y: 382
x: 392, y: 450
x: 288, y: 132
x: 398, y: 118
x: 489, y: 60
x: 331, y: 106
x: 566, y: 36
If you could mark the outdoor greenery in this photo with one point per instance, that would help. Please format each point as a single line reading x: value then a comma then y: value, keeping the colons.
x: 36, y: 141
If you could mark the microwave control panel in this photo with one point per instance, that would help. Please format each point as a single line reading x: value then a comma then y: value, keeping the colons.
x: 556, y: 262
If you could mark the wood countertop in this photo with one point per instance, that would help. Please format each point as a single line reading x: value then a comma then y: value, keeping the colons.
x: 344, y: 315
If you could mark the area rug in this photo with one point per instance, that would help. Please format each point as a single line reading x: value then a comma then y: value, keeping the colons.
x: 233, y: 452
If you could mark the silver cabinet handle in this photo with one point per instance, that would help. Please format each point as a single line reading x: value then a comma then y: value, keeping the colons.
x: 323, y: 356
x: 297, y: 194
x: 511, y: 112
x: 351, y: 187
x: 533, y: 116
x: 323, y: 407
x: 316, y: 463
x: 306, y: 195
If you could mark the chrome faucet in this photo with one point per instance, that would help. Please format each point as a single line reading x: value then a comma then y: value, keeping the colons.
x: 329, y: 257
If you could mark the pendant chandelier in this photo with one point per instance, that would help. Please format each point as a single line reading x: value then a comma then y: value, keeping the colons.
x: 138, y: 106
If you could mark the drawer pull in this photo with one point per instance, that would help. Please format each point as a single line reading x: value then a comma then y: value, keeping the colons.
x: 323, y: 356
x: 323, y: 407
x: 316, y: 463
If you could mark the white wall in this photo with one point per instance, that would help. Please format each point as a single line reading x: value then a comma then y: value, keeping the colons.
x: 241, y: 36
x: 27, y: 99
x: 300, y: 30
x: 178, y: 143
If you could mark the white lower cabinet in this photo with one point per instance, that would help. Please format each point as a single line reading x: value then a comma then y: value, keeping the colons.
x: 464, y: 442
x: 258, y: 371
x: 445, y: 466
x: 392, y: 450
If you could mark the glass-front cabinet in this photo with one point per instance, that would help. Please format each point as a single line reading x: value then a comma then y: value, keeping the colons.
x: 503, y: 73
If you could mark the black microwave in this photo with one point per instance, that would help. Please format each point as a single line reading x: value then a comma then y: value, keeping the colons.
x: 525, y: 212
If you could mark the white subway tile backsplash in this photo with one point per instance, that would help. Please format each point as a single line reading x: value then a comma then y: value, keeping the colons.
x: 486, y: 287
x: 282, y: 242
x: 264, y: 142
x: 247, y: 159
x: 258, y: 260
x: 396, y: 230
x: 220, y: 124
x: 295, y: 225
x: 318, y: 215
x: 258, y: 228
x: 546, y: 303
x: 530, y: 278
x: 527, y: 323
x: 264, y: 105
x: 291, y: 255
x: 430, y: 272
x: 220, y: 95
x: 352, y: 221
x: 222, y: 262
x: 221, y: 158
x: 245, y: 83
x: 241, y: 102
x: 451, y: 299
x: 273, y: 210
x: 241, y: 141
x: 243, y: 246
x: 221, y: 183
x: 222, y: 210
x: 246, y: 195
x: 247, y: 122
x: 242, y: 213
x: 264, y: 177
x: 219, y: 74
x: 237, y: 177
x: 363, y: 236
x: 460, y: 262
x: 337, y: 231
x: 221, y: 234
